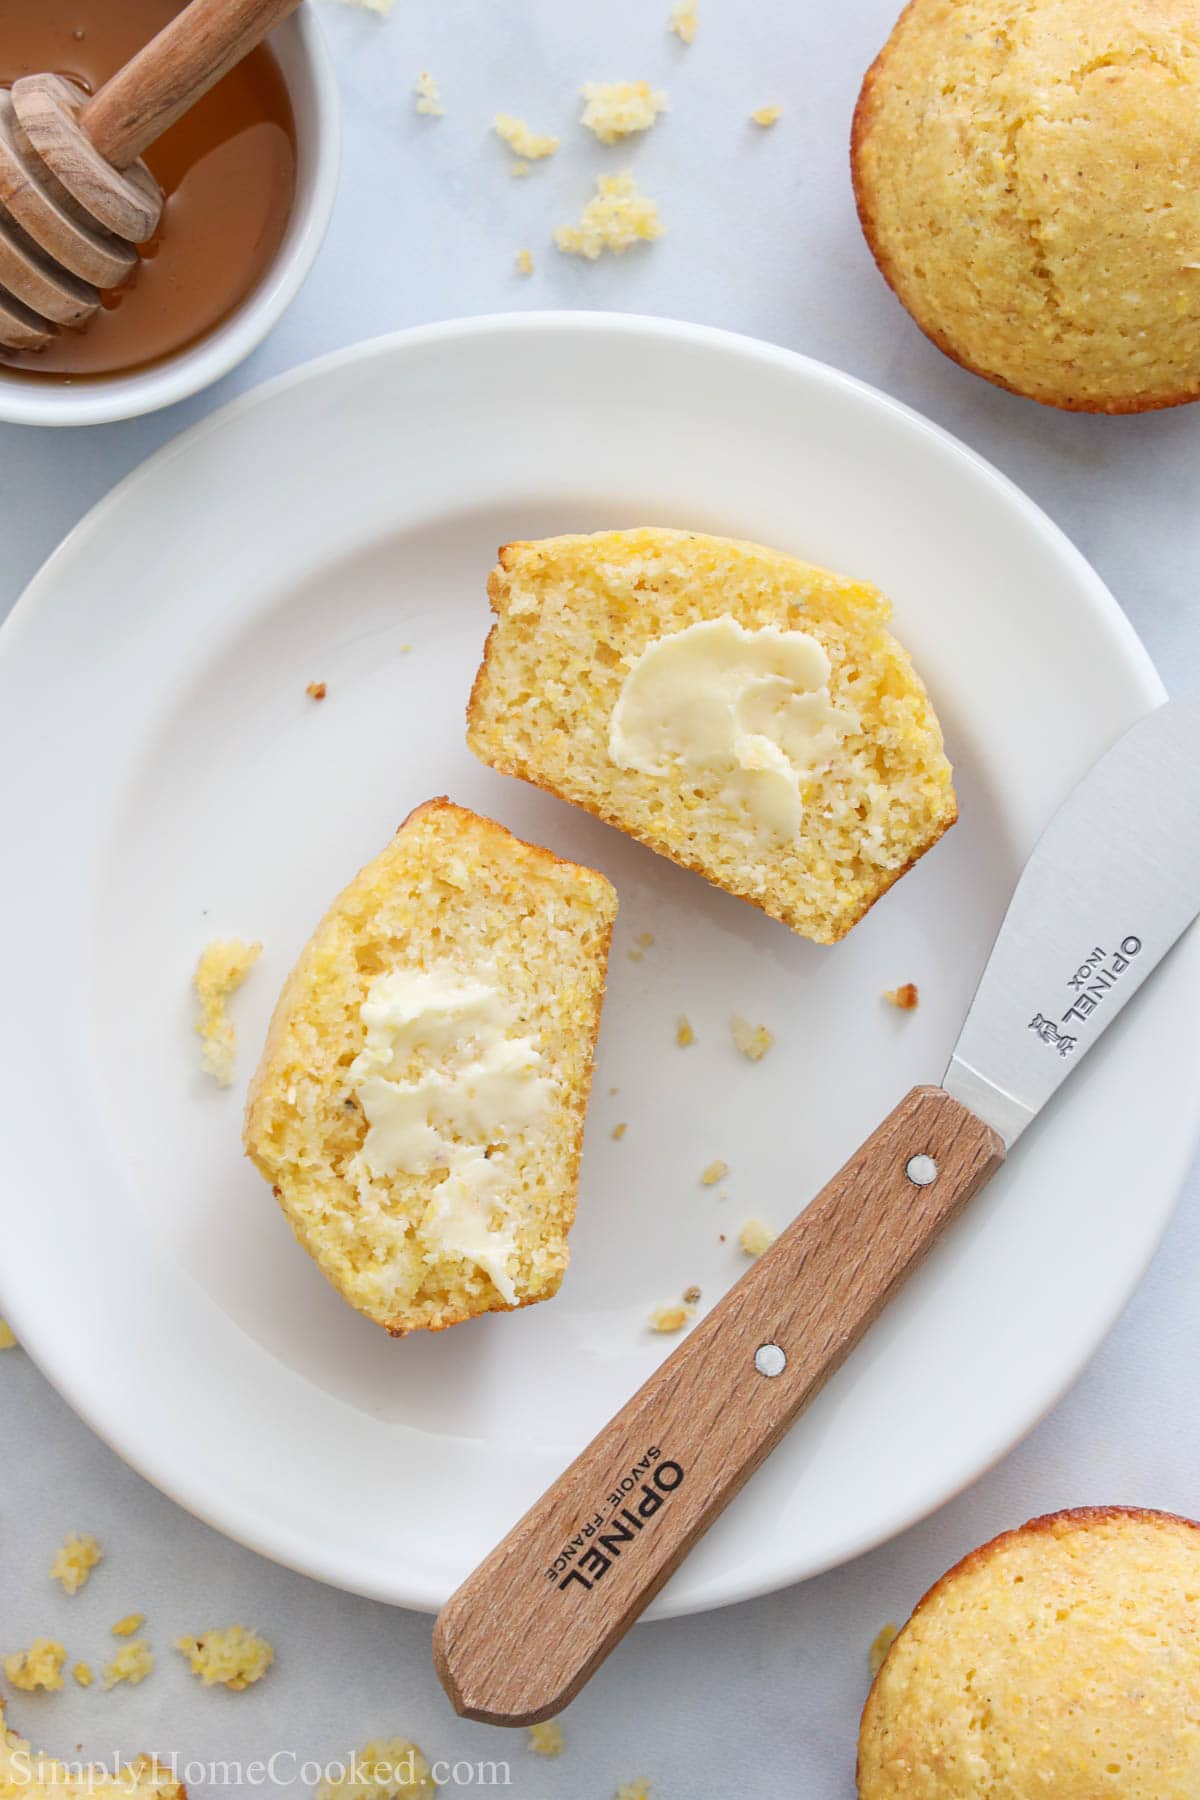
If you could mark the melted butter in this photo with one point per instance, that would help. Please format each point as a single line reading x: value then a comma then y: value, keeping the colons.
x: 443, y: 1086
x: 751, y: 706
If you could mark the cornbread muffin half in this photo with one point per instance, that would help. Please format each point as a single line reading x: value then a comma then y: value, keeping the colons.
x: 743, y: 713
x: 420, y: 1103
x: 25, y: 1774
x: 1028, y: 179
x: 1062, y: 1660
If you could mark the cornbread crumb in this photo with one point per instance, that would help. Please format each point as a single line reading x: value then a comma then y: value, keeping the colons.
x: 131, y: 1623
x: 766, y: 115
x: 716, y: 1171
x: 529, y: 145
x: 755, y: 1237
x: 132, y: 1663
x: 385, y: 1769
x: 684, y: 1035
x: 223, y: 966
x: 614, y: 220
x: 670, y: 1318
x: 619, y: 1131
x: 316, y: 690
x: 683, y: 21
x: 234, y: 1657
x: 429, y: 99
x: 752, y: 1040
x: 881, y: 1643
x: 524, y: 262
x: 691, y: 1295
x: 907, y: 998
x: 645, y: 939
x: 38, y: 1667
x: 7, y: 1340
x: 83, y: 1674
x: 546, y: 1739
x: 27, y: 1775
x: 75, y: 1561
x: 634, y: 1790
x: 616, y: 109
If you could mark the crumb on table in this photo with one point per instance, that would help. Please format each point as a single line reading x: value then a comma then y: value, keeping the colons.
x: 524, y: 262
x: 634, y: 1790
x: 616, y: 218
x: 766, y: 115
x: 881, y: 1643
x: 684, y: 1035
x: 224, y: 965
x: 716, y: 1171
x: 683, y: 21
x: 752, y: 1040
x: 530, y: 146
x: 691, y: 1295
x: 129, y: 1625
x: 75, y: 1561
x: 428, y: 96
x: 619, y: 1131
x: 670, y: 1318
x: 546, y: 1739
x: 755, y: 1237
x: 234, y: 1657
x: 40, y: 1666
x: 617, y: 109
x: 83, y: 1674
x: 132, y: 1663
x: 907, y: 997
x: 7, y: 1340
x: 316, y: 690
x: 385, y: 1769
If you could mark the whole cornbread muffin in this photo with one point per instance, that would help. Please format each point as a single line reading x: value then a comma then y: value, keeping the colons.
x: 1060, y: 1661
x: 1028, y: 179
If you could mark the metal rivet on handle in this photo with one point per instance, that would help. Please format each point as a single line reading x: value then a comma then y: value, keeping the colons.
x: 922, y: 1171
x: 770, y: 1359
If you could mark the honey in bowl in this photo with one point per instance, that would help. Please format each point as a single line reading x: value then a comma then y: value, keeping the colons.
x: 227, y: 170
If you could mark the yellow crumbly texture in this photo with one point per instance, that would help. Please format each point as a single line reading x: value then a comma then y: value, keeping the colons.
x: 524, y: 262
x: 234, y: 1657
x: 450, y: 888
x: 752, y: 1040
x: 766, y: 115
x: 683, y: 21
x: 75, y: 1561
x: 755, y: 1237
x: 428, y: 95
x: 40, y: 1666
x: 573, y: 615
x: 616, y: 109
x: 529, y: 145
x: 716, y: 1171
x: 223, y: 966
x: 83, y: 1674
x: 25, y: 1774
x: 7, y: 1340
x: 672, y: 1317
x: 1061, y: 1660
x: 1028, y: 178
x: 634, y: 1790
x: 881, y: 1643
x: 547, y: 1738
x: 385, y: 1769
x: 685, y: 1036
x: 126, y: 1627
x: 617, y: 218
x: 132, y: 1663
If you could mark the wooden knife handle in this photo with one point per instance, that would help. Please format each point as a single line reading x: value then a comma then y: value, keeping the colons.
x: 524, y: 1633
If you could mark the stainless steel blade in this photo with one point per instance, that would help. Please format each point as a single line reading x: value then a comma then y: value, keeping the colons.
x: 1112, y: 882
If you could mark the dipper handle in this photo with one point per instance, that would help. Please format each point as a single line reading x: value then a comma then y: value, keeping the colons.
x: 159, y: 84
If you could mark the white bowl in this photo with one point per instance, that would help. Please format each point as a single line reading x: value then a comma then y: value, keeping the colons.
x: 307, y: 70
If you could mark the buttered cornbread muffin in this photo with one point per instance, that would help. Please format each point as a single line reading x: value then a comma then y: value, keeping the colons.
x: 1061, y: 1660
x: 420, y: 1102
x: 746, y: 714
x: 1028, y: 179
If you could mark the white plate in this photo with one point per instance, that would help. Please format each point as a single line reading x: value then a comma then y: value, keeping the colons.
x: 168, y: 780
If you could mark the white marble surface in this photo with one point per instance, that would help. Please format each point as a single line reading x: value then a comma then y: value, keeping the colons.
x: 763, y: 1698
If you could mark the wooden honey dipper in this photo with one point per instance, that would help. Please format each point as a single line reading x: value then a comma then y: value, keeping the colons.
x: 75, y: 197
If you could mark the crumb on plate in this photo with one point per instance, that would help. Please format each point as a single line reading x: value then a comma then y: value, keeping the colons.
x: 75, y: 1561
x: 385, y: 1769
x: 766, y: 115
x: 683, y: 21
x: 40, y: 1666
x: 224, y: 965
x: 546, y: 1739
x: 530, y: 146
x: 752, y: 1040
x: 684, y: 1035
x: 716, y: 1171
x: 428, y: 95
x: 616, y: 109
x: 316, y: 690
x: 132, y: 1663
x: 881, y: 1643
x: 907, y: 997
x: 83, y: 1674
x: 129, y: 1626
x: 7, y: 1340
x: 615, y: 219
x: 234, y: 1657
x: 619, y: 1131
x: 755, y: 1237
x: 524, y: 262
x: 670, y: 1318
